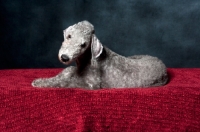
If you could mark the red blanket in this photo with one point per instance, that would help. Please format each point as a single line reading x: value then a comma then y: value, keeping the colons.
x: 174, y: 107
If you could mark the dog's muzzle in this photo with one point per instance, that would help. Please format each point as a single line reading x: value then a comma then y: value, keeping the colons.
x: 64, y: 58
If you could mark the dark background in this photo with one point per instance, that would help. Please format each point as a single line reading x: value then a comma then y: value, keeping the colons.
x: 31, y: 31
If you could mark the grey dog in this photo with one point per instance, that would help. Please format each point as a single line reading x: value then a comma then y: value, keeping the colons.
x: 99, y: 67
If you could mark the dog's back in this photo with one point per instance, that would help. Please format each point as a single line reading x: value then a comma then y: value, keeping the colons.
x: 135, y: 71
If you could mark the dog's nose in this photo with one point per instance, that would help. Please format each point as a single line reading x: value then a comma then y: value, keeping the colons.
x: 64, y: 58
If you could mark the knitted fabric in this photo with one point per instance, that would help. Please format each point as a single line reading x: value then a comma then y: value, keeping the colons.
x: 170, y: 108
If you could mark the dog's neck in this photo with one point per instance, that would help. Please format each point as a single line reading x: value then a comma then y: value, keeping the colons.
x: 84, y: 60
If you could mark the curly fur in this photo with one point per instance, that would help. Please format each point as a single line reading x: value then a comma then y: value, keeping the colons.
x: 99, y: 67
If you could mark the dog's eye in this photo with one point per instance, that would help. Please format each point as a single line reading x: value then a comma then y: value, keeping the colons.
x: 83, y: 45
x: 69, y: 36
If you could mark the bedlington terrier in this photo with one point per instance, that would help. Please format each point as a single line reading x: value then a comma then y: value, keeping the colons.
x: 99, y: 67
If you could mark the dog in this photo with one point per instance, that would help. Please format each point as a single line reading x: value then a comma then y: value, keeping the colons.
x: 98, y: 67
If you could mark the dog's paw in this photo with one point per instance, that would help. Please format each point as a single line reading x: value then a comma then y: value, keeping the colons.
x: 38, y: 83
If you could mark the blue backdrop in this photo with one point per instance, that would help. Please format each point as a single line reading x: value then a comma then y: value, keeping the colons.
x: 31, y: 31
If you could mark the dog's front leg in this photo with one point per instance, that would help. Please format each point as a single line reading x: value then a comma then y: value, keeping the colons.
x: 46, y: 82
x: 60, y: 80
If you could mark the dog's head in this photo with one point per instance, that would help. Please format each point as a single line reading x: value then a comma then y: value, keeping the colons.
x: 77, y: 39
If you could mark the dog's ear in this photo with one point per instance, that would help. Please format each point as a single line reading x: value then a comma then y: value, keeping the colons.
x: 96, y: 47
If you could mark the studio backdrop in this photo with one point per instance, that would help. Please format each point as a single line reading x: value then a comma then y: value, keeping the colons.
x: 31, y: 31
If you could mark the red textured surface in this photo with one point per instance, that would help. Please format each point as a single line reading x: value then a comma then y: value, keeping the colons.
x: 174, y: 107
